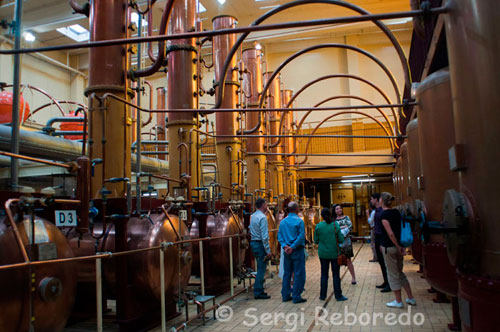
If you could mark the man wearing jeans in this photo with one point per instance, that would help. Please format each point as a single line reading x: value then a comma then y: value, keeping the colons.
x: 291, y: 236
x: 259, y: 243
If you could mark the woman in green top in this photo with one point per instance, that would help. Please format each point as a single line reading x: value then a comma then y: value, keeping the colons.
x: 326, y: 234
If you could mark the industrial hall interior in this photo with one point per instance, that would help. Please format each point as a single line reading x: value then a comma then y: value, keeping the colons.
x: 249, y: 165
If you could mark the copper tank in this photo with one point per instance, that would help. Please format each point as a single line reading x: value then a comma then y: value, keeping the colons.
x: 54, y: 284
x: 472, y: 29
x: 435, y: 137
x: 404, y: 178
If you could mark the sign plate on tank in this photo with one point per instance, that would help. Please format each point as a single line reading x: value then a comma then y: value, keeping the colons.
x: 183, y: 215
x: 66, y: 218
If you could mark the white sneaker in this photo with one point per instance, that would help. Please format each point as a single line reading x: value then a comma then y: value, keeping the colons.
x: 394, y: 304
x: 411, y: 301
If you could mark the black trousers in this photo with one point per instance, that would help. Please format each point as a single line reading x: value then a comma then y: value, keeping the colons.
x: 380, y: 258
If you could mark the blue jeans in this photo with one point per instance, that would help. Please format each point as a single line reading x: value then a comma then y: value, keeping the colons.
x: 295, y: 264
x: 325, y: 264
x: 260, y: 253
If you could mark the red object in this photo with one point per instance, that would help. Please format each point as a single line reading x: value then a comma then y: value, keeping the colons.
x: 6, y: 108
x: 72, y: 126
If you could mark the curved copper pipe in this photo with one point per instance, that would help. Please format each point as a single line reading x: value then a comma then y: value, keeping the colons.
x: 84, y: 10
x: 148, y: 83
x: 84, y: 143
x: 334, y: 115
x: 299, y: 126
x: 29, y: 86
x: 161, y: 45
x: 322, y: 78
x: 150, y: 33
x: 14, y: 228
x: 320, y: 46
x: 186, y: 149
x: 382, y: 26
x: 60, y: 102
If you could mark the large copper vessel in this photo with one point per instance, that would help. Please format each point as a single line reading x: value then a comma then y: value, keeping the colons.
x: 404, y: 178
x: 413, y: 190
x: 435, y: 138
x: 54, y: 284
x: 216, y: 252
x: 472, y: 29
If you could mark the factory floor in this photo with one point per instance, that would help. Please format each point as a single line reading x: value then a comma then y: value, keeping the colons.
x: 365, y: 304
x: 247, y: 313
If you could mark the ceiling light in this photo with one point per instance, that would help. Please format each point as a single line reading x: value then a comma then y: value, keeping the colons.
x: 258, y: 46
x: 75, y: 32
x: 29, y: 37
x: 358, y: 180
x: 222, y: 1
x: 354, y: 176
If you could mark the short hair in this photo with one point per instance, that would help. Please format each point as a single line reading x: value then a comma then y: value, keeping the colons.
x: 376, y: 196
x: 293, y: 207
x: 259, y: 202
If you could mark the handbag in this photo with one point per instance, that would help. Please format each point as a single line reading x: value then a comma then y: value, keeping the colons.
x: 406, y: 238
x: 341, y: 259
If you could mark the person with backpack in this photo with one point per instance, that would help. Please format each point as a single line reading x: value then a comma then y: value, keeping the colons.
x: 327, y: 236
x: 394, y: 252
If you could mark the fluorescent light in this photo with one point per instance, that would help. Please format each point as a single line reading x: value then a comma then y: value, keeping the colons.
x: 358, y: 180
x: 222, y: 1
x: 268, y: 7
x: 29, y: 37
x: 354, y: 176
x: 75, y: 32
x: 199, y: 7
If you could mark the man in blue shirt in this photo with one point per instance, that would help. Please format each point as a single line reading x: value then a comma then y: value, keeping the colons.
x: 259, y: 243
x: 291, y: 236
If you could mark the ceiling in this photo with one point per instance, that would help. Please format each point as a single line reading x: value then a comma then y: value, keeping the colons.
x: 42, y: 17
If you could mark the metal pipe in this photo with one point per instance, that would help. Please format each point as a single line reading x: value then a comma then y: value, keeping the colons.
x: 98, y: 287
x: 138, y: 123
x: 202, y: 269
x: 53, y: 103
x: 14, y: 146
x: 249, y: 29
x: 14, y: 228
x: 324, y: 154
x: 231, y: 284
x: 162, y: 290
x: 42, y: 161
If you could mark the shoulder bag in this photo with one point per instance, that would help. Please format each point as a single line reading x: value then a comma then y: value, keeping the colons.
x: 341, y: 259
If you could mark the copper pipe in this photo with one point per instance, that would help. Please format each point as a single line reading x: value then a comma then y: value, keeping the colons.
x: 322, y: 78
x: 299, y: 126
x: 324, y: 154
x: 150, y: 33
x: 84, y: 143
x: 165, y: 211
x: 53, y: 103
x: 43, y: 92
x: 196, y: 110
x: 161, y: 45
x: 148, y: 83
x: 14, y: 228
x: 332, y: 45
x: 186, y: 149
x: 360, y: 10
x: 247, y: 30
x: 41, y: 161
x: 84, y: 10
x: 339, y: 113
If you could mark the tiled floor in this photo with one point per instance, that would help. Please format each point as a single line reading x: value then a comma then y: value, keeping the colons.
x: 364, y: 300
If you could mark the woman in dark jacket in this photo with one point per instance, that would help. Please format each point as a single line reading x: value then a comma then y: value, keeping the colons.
x: 326, y: 234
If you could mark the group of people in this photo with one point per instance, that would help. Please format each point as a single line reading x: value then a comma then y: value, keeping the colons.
x: 333, y: 237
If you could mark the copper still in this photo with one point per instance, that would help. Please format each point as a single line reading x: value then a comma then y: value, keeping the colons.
x: 54, y: 285
x: 255, y: 164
